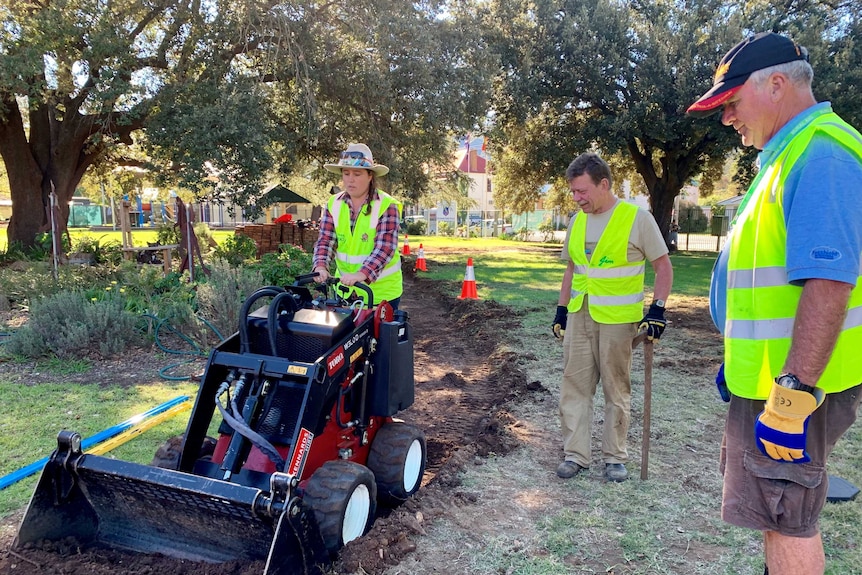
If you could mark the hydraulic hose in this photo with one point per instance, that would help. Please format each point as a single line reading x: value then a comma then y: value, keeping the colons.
x: 243, y: 429
x: 267, y: 291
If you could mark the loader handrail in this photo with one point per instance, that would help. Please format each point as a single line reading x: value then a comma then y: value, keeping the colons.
x: 306, y: 279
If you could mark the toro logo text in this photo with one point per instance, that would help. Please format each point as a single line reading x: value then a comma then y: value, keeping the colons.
x: 335, y: 361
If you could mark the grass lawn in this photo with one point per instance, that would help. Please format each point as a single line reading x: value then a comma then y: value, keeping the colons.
x: 527, y: 274
x: 140, y: 236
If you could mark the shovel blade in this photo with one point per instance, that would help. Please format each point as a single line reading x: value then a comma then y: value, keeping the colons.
x: 123, y: 505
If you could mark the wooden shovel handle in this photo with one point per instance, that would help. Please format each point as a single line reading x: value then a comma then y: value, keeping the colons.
x: 648, y: 349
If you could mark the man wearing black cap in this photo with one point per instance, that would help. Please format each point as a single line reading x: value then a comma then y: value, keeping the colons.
x: 786, y: 295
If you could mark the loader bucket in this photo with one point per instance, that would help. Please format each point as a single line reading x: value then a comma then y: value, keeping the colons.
x: 123, y: 505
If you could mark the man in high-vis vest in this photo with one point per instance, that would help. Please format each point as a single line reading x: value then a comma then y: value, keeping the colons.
x: 359, y: 229
x: 601, y: 308
x: 786, y: 295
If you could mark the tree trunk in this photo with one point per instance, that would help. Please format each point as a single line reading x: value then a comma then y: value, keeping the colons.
x: 54, y: 155
x: 663, y: 189
x: 25, y: 178
x: 661, y: 203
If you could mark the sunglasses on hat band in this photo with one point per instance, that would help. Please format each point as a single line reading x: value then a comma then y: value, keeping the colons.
x: 354, y: 159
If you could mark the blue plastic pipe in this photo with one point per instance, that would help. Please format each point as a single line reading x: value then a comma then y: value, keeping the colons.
x: 89, y: 442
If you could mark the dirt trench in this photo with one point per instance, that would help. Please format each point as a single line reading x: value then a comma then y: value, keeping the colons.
x: 464, y: 379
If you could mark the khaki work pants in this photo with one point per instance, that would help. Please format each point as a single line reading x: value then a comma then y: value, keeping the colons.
x: 593, y: 352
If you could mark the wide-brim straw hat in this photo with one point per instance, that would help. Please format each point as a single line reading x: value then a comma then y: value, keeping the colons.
x: 357, y: 156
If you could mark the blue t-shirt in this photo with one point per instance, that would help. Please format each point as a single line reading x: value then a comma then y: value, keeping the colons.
x: 822, y: 212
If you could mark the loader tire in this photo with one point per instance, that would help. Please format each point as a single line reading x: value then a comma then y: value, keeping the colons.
x: 168, y: 454
x: 397, y: 459
x: 343, y: 496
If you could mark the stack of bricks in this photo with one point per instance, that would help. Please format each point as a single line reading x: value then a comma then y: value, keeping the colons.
x: 269, y: 236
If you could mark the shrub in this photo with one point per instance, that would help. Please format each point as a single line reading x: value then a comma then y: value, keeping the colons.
x: 445, y: 229
x: 148, y: 291
x: 236, y: 250
x: 205, y: 237
x: 26, y: 282
x: 109, y: 252
x: 416, y: 228
x: 282, y: 268
x: 13, y: 253
x: 220, y: 297
x: 16, y: 252
x: 167, y: 234
x: 85, y: 245
x: 41, y: 249
x: 73, y: 324
x: 547, y: 228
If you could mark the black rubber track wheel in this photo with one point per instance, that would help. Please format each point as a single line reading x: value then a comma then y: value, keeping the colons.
x: 397, y: 459
x: 343, y: 496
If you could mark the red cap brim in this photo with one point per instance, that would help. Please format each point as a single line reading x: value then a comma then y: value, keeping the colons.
x: 709, y: 104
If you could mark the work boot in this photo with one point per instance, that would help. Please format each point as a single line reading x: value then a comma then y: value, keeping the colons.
x: 568, y: 469
x: 616, y: 472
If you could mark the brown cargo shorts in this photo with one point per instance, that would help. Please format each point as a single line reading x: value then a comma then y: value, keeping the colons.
x: 767, y: 495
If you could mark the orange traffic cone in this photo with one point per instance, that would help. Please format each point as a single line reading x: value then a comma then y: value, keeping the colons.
x: 420, y: 260
x: 468, y: 288
x: 405, y: 251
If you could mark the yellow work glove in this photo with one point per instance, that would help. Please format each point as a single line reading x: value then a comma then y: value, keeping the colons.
x: 781, y: 428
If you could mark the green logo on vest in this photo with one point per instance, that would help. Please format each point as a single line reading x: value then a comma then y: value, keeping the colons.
x: 605, y: 260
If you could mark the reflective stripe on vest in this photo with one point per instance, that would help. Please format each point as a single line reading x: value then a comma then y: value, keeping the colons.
x: 761, y: 304
x: 615, y: 286
x: 355, y: 245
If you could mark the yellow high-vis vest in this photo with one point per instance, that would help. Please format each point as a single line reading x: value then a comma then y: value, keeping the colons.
x: 614, y: 284
x: 761, y: 303
x: 355, y: 245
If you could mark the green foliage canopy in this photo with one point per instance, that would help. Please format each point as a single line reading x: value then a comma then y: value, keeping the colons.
x: 617, y: 77
x: 229, y: 92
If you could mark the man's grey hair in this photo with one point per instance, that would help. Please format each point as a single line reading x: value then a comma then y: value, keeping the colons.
x: 799, y: 72
x: 591, y: 164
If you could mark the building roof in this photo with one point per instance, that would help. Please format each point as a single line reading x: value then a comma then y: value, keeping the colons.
x: 734, y: 201
x: 281, y: 194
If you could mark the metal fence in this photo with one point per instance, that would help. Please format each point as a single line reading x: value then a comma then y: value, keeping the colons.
x: 698, y: 229
x: 700, y: 242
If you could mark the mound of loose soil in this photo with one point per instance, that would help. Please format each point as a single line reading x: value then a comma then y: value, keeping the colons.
x: 463, y: 381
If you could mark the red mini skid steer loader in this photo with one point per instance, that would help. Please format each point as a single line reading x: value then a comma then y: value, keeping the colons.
x: 302, y: 397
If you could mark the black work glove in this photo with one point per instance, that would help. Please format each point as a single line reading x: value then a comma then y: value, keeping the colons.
x: 559, y: 325
x: 653, y: 322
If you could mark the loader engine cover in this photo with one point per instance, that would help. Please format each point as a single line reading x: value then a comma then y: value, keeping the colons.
x: 303, y: 335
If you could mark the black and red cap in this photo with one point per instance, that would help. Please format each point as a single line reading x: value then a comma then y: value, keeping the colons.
x: 752, y: 54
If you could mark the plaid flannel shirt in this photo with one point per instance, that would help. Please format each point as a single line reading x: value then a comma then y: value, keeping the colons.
x: 385, y: 240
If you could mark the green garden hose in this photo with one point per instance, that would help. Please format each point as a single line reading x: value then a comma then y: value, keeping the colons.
x: 196, y: 352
